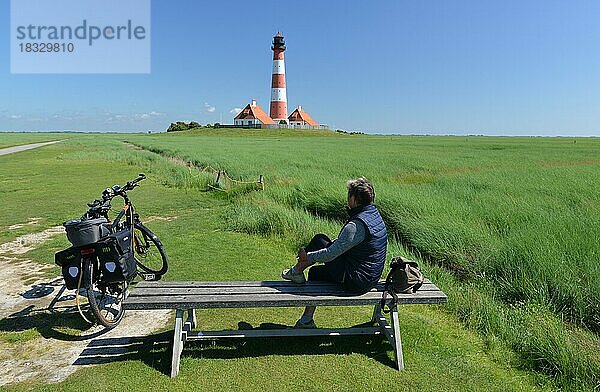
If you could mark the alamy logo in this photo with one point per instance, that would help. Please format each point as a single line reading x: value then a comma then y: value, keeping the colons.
x: 80, y: 36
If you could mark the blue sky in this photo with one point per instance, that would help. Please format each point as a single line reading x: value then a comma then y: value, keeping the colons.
x: 439, y: 67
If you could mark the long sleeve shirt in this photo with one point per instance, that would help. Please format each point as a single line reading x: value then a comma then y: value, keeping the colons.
x: 352, y: 234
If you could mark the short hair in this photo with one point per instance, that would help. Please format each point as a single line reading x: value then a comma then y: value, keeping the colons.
x: 362, y: 190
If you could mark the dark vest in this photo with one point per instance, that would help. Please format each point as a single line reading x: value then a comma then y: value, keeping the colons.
x: 364, y: 262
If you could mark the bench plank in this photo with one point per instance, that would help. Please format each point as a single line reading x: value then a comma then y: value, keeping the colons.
x: 280, y: 333
x: 266, y: 283
x: 265, y: 290
x: 272, y: 300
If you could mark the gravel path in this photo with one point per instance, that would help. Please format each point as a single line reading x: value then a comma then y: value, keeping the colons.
x: 25, y: 147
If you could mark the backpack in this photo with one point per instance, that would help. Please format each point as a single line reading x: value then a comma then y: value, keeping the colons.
x: 404, y: 278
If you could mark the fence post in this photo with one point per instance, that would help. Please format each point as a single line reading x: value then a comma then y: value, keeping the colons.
x: 218, y: 182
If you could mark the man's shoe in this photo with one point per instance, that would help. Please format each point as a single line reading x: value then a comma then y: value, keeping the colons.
x: 296, y: 277
x: 309, y: 325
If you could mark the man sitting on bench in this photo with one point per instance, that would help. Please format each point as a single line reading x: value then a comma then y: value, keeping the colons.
x: 354, y: 260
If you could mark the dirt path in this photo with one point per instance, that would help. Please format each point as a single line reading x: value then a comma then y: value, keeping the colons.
x: 28, y: 301
x: 10, y: 150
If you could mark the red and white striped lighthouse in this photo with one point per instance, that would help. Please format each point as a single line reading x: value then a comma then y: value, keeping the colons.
x: 278, y: 110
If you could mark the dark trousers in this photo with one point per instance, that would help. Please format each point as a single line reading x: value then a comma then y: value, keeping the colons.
x: 319, y: 241
x: 333, y: 271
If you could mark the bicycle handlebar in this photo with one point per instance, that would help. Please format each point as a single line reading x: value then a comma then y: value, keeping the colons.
x: 109, y: 193
x: 132, y: 184
x: 118, y: 190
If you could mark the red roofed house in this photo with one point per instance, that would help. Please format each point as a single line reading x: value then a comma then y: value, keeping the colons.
x: 252, y: 114
x: 300, y: 117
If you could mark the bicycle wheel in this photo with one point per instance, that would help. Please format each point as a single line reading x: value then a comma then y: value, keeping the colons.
x: 106, y: 300
x: 149, y: 253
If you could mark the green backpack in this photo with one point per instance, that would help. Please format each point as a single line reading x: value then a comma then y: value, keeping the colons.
x: 404, y: 278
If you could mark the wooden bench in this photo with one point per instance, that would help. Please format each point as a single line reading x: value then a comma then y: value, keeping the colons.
x: 186, y: 297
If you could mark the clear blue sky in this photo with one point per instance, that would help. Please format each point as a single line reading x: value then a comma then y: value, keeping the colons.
x: 509, y: 67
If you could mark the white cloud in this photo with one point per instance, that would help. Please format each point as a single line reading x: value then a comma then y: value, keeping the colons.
x: 209, y: 108
x: 15, y: 116
x: 145, y: 116
x: 235, y: 111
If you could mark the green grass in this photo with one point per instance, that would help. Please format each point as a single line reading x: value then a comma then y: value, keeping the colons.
x: 9, y: 139
x: 501, y: 223
x: 443, y: 356
x: 517, y: 218
x: 517, y: 210
x: 18, y: 337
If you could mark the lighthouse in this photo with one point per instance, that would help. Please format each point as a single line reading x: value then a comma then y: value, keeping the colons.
x: 278, y: 110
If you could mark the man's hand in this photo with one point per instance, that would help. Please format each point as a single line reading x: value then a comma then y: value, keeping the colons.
x: 302, y: 259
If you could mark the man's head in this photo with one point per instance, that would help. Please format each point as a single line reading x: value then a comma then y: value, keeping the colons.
x: 360, y: 192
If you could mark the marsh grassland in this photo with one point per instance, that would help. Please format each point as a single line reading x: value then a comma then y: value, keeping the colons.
x: 507, y: 227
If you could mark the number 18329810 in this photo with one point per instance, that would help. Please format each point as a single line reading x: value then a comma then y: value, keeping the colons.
x: 35, y: 47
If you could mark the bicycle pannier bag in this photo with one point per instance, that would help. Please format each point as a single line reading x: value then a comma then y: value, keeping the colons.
x: 70, y: 262
x: 115, y: 254
x: 86, y: 231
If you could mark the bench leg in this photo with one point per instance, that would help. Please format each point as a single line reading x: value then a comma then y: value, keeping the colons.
x: 376, y: 313
x: 192, y: 318
x: 177, y: 343
x: 392, y: 333
x: 397, y: 340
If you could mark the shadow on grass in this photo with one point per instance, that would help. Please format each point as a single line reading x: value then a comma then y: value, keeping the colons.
x: 63, y: 324
x: 153, y: 350
x: 156, y: 350
x: 372, y: 346
x: 57, y: 321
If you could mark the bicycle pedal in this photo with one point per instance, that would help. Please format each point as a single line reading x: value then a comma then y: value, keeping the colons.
x: 149, y: 277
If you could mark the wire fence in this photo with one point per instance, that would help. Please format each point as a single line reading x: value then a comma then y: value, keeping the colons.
x: 222, y: 174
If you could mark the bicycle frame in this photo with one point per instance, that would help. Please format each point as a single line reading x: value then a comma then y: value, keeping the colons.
x: 126, y: 211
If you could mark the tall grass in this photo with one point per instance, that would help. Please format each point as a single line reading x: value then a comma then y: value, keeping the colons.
x: 474, y: 205
x: 515, y: 220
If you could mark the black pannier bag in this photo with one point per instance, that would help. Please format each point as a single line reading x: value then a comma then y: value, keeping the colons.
x: 86, y: 231
x: 115, y: 254
x: 70, y: 262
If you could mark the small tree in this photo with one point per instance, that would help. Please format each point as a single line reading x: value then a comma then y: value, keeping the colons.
x: 178, y: 126
x: 282, y: 122
x: 194, y: 124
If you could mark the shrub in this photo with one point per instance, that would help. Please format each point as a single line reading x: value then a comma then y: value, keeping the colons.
x: 182, y: 126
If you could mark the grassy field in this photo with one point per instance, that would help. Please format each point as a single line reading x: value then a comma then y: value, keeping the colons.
x: 507, y: 227
x: 8, y: 139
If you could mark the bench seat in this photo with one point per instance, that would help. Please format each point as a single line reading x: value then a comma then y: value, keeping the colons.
x: 197, y: 295
x: 189, y: 296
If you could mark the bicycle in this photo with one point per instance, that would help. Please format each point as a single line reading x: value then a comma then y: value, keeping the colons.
x: 110, y: 254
